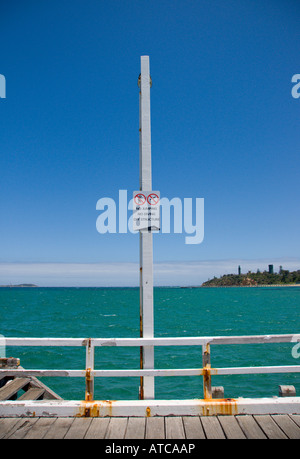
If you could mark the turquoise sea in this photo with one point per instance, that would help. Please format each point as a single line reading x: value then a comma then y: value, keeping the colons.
x: 114, y: 312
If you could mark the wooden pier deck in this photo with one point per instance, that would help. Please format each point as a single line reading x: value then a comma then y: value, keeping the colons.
x: 172, y: 427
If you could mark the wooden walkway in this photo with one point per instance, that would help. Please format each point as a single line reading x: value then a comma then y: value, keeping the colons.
x: 189, y: 427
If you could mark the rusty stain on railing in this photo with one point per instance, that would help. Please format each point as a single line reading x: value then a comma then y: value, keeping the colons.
x: 94, y: 409
x: 206, y: 371
x: 88, y: 381
x: 106, y: 408
x: 89, y: 378
x: 222, y: 406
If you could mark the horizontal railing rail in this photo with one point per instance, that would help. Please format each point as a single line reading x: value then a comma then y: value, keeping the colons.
x: 206, y: 371
x: 172, y: 341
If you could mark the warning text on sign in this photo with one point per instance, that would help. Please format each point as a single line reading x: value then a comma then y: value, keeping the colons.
x: 146, y: 212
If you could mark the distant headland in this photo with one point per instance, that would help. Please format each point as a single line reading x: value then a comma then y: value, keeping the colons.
x: 19, y: 285
x: 283, y: 278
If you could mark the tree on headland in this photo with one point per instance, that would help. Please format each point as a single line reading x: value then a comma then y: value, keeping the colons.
x: 284, y: 277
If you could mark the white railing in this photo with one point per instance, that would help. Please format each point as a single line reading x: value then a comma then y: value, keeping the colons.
x: 206, y: 371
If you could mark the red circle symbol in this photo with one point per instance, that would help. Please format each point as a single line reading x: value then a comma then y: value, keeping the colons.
x: 139, y: 199
x: 152, y: 199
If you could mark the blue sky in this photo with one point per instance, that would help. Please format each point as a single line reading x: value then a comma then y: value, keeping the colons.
x: 224, y: 128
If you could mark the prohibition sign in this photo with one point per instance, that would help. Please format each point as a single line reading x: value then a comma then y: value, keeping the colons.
x: 152, y: 199
x: 139, y: 199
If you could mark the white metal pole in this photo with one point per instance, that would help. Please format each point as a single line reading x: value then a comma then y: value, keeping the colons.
x: 146, y: 244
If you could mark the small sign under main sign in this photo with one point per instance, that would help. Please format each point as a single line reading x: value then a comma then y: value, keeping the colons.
x: 146, y: 212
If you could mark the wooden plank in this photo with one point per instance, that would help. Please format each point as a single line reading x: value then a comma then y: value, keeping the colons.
x: 78, y: 428
x: 97, y: 428
x: 289, y: 427
x: 136, y: 428
x: 59, y: 428
x: 270, y: 427
x: 116, y: 428
x: 155, y: 428
x: 14, y: 427
x: 295, y: 418
x: 36, y: 383
x: 6, y: 425
x: 12, y: 387
x: 174, y: 427
x: 49, y: 394
x: 250, y: 427
x: 193, y: 427
x: 34, y: 393
x: 39, y: 428
x: 20, y: 429
x: 231, y: 428
x: 212, y: 427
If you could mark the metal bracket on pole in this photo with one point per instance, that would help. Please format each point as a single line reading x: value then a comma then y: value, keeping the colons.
x: 146, y: 244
